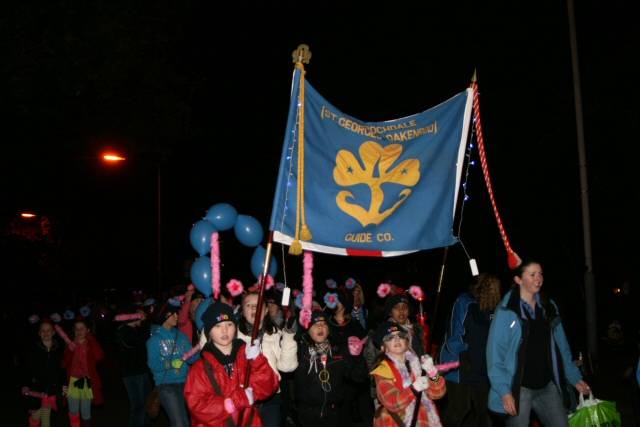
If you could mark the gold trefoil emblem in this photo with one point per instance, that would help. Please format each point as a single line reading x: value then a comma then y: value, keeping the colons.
x: 375, y: 158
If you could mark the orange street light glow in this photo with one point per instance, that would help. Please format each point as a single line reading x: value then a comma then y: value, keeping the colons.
x: 113, y: 158
x: 27, y: 215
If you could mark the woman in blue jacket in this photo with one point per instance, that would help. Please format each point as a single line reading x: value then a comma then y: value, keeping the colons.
x: 528, y: 356
x: 466, y: 342
x: 164, y: 357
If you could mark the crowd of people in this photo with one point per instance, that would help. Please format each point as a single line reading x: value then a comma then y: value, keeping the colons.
x: 231, y: 362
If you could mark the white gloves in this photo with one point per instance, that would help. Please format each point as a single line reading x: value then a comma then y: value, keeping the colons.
x: 427, y: 364
x: 420, y: 384
x: 252, y: 351
x: 249, y: 393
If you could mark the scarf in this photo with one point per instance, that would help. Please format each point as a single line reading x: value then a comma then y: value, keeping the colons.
x: 226, y: 360
x: 316, y: 351
x: 412, y: 366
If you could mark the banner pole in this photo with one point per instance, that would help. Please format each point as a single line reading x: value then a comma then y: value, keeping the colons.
x: 459, y: 207
x: 256, y: 321
x: 301, y: 56
x: 437, y: 303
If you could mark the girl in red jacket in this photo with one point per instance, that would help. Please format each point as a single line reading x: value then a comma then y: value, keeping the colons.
x: 85, y: 387
x: 214, y: 389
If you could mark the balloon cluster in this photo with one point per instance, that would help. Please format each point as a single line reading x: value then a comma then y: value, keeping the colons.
x: 248, y: 231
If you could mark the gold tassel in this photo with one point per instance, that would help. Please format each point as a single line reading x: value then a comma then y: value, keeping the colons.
x: 295, y: 248
x: 302, y: 232
x: 305, y: 233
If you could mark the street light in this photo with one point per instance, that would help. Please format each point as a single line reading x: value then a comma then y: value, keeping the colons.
x: 113, y: 158
x: 27, y: 215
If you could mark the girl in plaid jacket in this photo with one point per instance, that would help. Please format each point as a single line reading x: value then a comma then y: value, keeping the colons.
x: 405, y: 393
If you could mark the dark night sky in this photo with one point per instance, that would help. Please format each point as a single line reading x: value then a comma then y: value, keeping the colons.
x: 209, y: 91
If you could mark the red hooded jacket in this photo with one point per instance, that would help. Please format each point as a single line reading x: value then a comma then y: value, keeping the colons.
x: 207, y: 407
x: 94, y: 355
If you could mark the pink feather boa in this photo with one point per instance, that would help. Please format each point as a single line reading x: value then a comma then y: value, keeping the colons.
x: 444, y: 367
x: 215, y: 265
x: 189, y: 354
x: 128, y: 317
x: 307, y: 288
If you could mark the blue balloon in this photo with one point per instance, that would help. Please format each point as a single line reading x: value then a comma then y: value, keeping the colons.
x: 202, y: 307
x: 257, y: 263
x: 248, y: 231
x: 222, y: 216
x: 201, y: 275
x: 200, y: 236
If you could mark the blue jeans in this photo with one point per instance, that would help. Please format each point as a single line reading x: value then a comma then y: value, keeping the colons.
x: 172, y: 400
x: 547, y: 404
x: 138, y: 388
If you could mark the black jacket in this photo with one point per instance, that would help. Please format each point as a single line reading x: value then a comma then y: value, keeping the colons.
x: 340, y: 333
x: 341, y: 366
x: 44, y: 372
x: 132, y: 350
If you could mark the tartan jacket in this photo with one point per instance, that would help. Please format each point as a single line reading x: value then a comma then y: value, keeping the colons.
x: 394, y: 398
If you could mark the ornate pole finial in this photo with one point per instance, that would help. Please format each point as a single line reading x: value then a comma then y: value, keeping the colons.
x: 302, y: 54
x: 474, y: 78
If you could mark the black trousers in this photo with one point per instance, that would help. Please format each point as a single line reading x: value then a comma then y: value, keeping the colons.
x: 466, y: 405
x: 329, y: 415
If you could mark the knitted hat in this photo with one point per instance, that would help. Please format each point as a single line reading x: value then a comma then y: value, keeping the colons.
x: 395, y: 295
x: 393, y: 300
x: 217, y: 312
x: 317, y: 316
x: 384, y: 330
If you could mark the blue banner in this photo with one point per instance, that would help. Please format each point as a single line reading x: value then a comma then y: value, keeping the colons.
x: 371, y: 188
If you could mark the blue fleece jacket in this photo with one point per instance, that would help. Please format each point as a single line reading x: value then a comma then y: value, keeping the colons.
x: 164, y: 346
x: 454, y: 343
x: 505, y: 340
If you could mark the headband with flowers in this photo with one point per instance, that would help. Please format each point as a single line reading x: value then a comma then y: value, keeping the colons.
x: 85, y: 311
x: 386, y: 289
x: 174, y: 301
x: 350, y: 283
x: 235, y: 287
x: 331, y: 300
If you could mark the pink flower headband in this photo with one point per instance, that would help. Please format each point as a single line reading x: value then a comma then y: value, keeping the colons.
x: 331, y: 300
x: 235, y: 287
x: 350, y: 283
x: 385, y: 289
